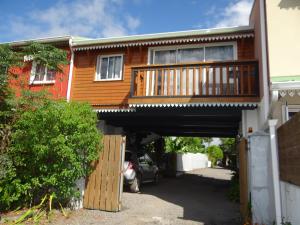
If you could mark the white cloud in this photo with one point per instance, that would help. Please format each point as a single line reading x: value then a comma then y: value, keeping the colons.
x: 235, y: 14
x: 133, y: 22
x: 91, y: 18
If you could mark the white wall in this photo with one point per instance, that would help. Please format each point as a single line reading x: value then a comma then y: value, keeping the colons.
x: 260, y: 179
x: 290, y: 195
x: 191, y: 161
x: 249, y: 119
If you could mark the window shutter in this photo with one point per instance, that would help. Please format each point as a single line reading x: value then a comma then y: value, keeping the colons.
x: 33, y: 70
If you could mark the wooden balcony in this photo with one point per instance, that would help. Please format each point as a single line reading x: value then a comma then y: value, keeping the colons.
x: 226, y: 81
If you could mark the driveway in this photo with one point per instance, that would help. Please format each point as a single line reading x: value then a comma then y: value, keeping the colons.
x: 198, y: 197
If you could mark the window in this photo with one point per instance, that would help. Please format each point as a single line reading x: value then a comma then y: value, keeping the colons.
x: 165, y: 57
x: 190, y: 55
x: 288, y: 111
x: 219, y: 53
x: 41, y: 74
x: 193, y: 53
x: 109, y: 67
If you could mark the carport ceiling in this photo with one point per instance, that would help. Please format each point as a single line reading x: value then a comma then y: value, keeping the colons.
x: 201, y: 122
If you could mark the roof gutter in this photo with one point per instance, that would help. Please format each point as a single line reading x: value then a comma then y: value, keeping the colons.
x: 70, y: 70
x: 39, y: 40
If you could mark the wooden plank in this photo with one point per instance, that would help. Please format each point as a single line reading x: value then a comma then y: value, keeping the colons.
x: 156, y: 82
x: 200, y: 80
x: 194, y: 81
x: 249, y: 80
x: 144, y: 82
x: 150, y: 82
x: 168, y: 82
x: 96, y: 197
x: 234, y: 80
x: 289, y: 150
x: 181, y: 81
x: 138, y: 85
x: 162, y: 82
x: 187, y: 72
x: 221, y: 81
x: 227, y: 82
x: 87, y: 201
x: 189, y: 99
x: 109, y: 188
x: 214, y: 81
x: 104, y: 168
x: 241, y: 81
x: 207, y: 80
x: 175, y: 74
x: 117, y: 167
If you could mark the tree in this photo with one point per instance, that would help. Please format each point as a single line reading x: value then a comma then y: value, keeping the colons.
x: 48, y: 144
x: 228, y: 146
x: 53, y: 145
x: 214, y: 153
x: 184, y: 144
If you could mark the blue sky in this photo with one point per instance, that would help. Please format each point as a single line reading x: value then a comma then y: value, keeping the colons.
x: 25, y: 19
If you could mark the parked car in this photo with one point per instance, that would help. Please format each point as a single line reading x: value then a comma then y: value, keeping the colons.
x: 139, y: 169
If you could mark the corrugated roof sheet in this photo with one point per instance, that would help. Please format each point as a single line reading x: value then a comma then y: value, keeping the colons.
x: 116, y: 41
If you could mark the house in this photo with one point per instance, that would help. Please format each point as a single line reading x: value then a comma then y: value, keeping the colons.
x: 203, y: 83
x: 37, y: 77
x: 273, y: 196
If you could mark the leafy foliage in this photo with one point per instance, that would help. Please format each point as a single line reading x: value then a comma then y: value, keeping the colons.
x: 52, y: 146
x: 184, y: 145
x: 45, y: 145
x: 214, y: 153
x: 48, y: 55
x: 234, y: 190
x: 228, y: 145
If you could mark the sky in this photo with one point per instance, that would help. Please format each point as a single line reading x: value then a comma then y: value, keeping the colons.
x: 29, y: 19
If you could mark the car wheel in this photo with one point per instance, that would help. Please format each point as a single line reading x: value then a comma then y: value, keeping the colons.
x: 135, y: 186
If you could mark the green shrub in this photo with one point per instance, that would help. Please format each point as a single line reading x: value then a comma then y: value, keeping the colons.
x: 214, y: 153
x: 184, y: 145
x: 234, y: 189
x: 52, y: 145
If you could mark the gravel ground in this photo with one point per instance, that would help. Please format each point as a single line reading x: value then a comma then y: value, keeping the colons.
x: 198, y: 197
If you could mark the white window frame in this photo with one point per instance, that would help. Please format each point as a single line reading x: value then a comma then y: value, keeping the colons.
x: 98, y: 67
x: 33, y: 74
x: 286, y: 109
x: 177, y: 47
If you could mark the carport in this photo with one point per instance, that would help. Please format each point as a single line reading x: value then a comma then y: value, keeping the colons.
x: 104, y: 186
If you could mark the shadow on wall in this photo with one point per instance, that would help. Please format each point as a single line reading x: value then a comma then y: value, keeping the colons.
x: 289, y: 4
x: 203, y: 199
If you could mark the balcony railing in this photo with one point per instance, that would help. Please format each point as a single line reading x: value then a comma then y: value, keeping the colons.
x: 205, y: 79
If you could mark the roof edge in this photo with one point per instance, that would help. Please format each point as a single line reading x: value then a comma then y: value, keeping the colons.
x: 164, y: 35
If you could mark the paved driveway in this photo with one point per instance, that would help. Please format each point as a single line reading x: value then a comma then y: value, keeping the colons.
x: 198, y: 197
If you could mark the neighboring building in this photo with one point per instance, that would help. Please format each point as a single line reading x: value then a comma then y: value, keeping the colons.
x: 277, y: 29
x: 283, y: 32
x: 37, y: 77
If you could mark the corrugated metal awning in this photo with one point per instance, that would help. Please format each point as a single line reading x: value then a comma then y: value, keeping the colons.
x: 165, y: 41
x: 206, y: 104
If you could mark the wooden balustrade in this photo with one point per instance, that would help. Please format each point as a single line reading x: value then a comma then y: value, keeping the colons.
x: 205, y: 79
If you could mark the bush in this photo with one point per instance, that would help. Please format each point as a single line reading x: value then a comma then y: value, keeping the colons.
x: 52, y: 145
x: 214, y: 153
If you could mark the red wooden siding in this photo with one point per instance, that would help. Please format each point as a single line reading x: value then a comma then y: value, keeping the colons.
x: 57, y: 90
